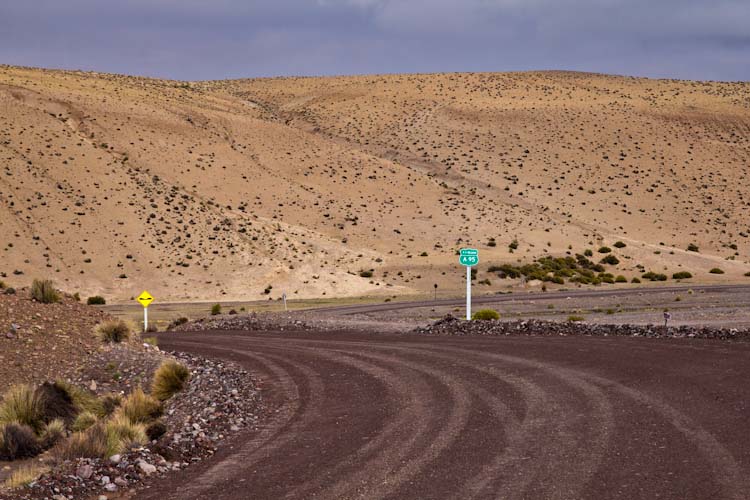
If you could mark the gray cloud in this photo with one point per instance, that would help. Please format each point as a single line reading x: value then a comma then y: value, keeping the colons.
x: 192, y: 39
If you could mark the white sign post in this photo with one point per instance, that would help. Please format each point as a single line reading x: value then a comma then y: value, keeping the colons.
x: 283, y: 295
x: 145, y: 299
x: 468, y: 257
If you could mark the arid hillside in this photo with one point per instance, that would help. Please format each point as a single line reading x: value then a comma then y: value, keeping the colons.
x: 364, y: 185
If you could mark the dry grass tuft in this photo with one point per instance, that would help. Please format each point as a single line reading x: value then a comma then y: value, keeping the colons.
x: 23, y: 405
x: 140, y: 408
x: 123, y: 435
x: 113, y: 331
x: 52, y: 433
x: 83, y: 400
x: 24, y: 476
x: 44, y: 291
x: 169, y: 379
x: 18, y: 441
x: 89, y: 444
x: 83, y: 421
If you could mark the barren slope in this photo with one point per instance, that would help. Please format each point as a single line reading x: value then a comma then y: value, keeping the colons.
x: 209, y: 189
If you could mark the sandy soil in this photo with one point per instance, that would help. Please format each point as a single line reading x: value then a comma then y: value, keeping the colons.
x: 215, y: 190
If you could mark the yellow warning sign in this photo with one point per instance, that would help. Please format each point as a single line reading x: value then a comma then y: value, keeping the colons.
x: 145, y: 299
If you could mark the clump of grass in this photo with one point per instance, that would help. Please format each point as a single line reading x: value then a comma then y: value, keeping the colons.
x: 169, y: 379
x: 485, y: 315
x: 83, y: 421
x: 22, y: 404
x: 139, y: 407
x: 113, y: 331
x: 89, y: 444
x: 575, y: 319
x: 18, y: 441
x: 44, y: 291
x: 215, y: 309
x: 652, y: 276
x: 123, y: 435
x: 682, y: 275
x: 96, y: 300
x: 24, y: 476
x: 110, y: 402
x: 716, y: 270
x: 52, y: 433
x: 152, y: 341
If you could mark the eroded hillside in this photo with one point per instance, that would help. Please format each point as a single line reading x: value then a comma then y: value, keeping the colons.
x: 197, y: 190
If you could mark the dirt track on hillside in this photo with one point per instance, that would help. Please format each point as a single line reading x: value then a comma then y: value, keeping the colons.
x: 388, y: 416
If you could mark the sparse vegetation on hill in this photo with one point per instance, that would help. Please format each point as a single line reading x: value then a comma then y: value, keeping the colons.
x: 44, y: 291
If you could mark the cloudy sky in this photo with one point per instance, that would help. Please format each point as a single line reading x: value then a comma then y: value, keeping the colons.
x: 213, y: 39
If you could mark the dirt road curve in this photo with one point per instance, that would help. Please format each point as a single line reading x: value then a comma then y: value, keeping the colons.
x: 408, y: 417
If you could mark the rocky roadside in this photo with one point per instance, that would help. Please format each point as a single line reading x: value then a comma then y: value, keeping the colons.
x: 450, y: 325
x: 221, y: 400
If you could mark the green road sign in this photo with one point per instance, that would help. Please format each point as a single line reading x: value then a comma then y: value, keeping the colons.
x: 468, y: 257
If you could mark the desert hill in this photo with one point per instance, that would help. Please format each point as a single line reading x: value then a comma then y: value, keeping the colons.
x: 200, y: 190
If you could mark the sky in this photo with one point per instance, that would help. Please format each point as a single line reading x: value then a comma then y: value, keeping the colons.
x: 217, y: 39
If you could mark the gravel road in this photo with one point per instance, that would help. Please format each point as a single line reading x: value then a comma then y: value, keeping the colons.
x: 356, y: 415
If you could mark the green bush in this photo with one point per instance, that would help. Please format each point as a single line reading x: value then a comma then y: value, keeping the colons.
x: 113, y: 331
x: 620, y: 244
x: 96, y: 300
x: 365, y: 274
x: 575, y: 319
x: 485, y: 314
x: 682, y: 275
x: 588, y: 253
x: 43, y: 291
x: 169, y: 379
x: 604, y: 250
x: 635, y: 280
x: 716, y: 270
x: 621, y: 279
x: 611, y: 260
x: 692, y: 247
x: 652, y: 276
x: 215, y: 309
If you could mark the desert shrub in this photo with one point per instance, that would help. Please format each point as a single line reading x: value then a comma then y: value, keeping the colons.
x: 716, y: 270
x: 604, y: 250
x: 22, y: 405
x: 635, y: 280
x: 575, y: 319
x: 513, y: 246
x: 177, y: 322
x: 619, y: 244
x: 83, y: 400
x: 747, y: 274
x: 3, y: 285
x: 682, y: 275
x: 83, y: 421
x: 122, y: 435
x: 620, y: 279
x: 139, y: 407
x: 611, y: 260
x: 492, y: 242
x: 18, y: 441
x: 215, y: 309
x: 57, y: 403
x: 113, y: 331
x: 24, y: 476
x: 96, y: 300
x: 89, y: 444
x: 44, y: 291
x: 155, y: 430
x: 169, y: 379
x: 588, y: 253
x: 152, y: 341
x: 10, y: 291
x: 485, y: 315
x: 365, y: 274
x: 692, y: 247
x: 52, y: 433
x: 652, y: 276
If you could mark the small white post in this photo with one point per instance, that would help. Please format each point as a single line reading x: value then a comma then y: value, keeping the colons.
x: 283, y: 295
x: 468, y: 293
x: 145, y: 319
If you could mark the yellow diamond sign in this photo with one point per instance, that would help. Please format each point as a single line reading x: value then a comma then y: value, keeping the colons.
x: 145, y: 299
